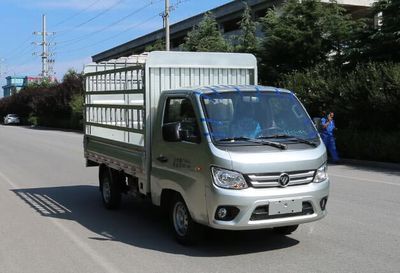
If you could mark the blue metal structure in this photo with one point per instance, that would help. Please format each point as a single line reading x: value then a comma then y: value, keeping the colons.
x: 13, y: 85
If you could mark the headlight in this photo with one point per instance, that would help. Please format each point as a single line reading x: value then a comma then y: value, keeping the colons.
x: 322, y: 174
x: 228, y: 179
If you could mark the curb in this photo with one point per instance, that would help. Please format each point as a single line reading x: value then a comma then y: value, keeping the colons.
x: 376, y: 164
x: 35, y: 127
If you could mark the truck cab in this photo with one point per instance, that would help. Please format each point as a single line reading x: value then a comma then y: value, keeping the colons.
x: 240, y: 157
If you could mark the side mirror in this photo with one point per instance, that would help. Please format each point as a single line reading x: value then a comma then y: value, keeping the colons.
x: 171, y: 132
x: 189, y: 131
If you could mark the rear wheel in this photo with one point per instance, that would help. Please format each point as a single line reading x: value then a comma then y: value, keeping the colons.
x: 110, y: 188
x: 286, y: 230
x: 187, y: 232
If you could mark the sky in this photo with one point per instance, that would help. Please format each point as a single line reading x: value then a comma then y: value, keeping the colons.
x: 81, y: 29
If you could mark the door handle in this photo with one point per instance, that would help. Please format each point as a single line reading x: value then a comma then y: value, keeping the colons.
x: 162, y: 159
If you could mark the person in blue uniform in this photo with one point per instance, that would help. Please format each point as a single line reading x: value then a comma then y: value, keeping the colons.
x: 328, y: 126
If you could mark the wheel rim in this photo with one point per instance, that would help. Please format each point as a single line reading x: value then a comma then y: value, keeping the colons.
x: 181, y: 219
x: 106, y: 190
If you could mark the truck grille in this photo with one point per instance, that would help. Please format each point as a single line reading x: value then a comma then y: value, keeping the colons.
x: 269, y: 180
x: 261, y: 213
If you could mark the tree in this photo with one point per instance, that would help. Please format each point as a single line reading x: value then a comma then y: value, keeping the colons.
x: 384, y: 42
x: 77, y: 108
x: 205, y: 37
x: 158, y: 45
x: 43, y: 83
x: 340, y: 32
x: 247, y: 40
x: 301, y: 34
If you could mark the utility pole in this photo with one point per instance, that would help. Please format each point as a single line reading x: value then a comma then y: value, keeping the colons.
x: 166, y: 24
x: 45, y: 53
x: 45, y: 48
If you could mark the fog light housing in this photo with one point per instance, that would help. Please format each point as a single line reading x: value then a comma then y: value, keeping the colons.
x: 222, y: 213
x: 323, y: 202
x: 226, y: 213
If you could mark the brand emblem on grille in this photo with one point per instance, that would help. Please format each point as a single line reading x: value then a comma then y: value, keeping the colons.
x: 284, y: 179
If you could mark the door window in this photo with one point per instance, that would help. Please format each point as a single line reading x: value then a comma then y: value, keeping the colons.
x: 180, y: 110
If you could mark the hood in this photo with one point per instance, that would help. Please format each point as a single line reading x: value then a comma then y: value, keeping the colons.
x: 265, y: 159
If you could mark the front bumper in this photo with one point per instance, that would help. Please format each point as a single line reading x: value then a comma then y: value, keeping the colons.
x: 248, y: 200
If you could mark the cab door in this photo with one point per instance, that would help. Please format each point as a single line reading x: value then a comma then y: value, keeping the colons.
x: 180, y: 164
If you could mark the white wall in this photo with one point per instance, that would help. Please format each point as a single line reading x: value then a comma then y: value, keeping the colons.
x: 363, y: 3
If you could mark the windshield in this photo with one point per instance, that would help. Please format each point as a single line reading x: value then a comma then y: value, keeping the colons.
x: 235, y: 115
x: 12, y: 116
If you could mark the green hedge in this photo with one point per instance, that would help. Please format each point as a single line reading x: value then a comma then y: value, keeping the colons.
x: 54, y: 122
x: 365, y: 98
x: 366, y: 102
x: 367, y: 145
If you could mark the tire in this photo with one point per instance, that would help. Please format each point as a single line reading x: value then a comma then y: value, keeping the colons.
x: 110, y: 188
x: 186, y: 231
x: 286, y: 230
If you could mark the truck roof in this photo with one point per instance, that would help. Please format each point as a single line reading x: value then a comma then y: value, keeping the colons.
x: 208, y: 89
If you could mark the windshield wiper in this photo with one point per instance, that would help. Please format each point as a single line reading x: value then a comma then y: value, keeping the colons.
x: 235, y: 139
x: 297, y: 139
x: 259, y: 141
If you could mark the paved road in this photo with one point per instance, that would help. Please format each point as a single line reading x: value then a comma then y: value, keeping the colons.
x: 52, y: 220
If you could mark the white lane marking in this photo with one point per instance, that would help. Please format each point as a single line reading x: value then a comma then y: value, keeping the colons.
x: 364, y: 179
x: 96, y: 257
x: 9, y: 182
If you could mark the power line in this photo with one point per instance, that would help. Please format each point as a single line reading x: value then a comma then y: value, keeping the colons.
x: 77, y: 13
x: 111, y: 37
x: 24, y: 62
x: 172, y: 8
x: 19, y: 48
x: 21, y: 52
x: 101, y: 13
x: 83, y: 37
x: 24, y: 59
x: 74, y: 40
x: 92, y: 18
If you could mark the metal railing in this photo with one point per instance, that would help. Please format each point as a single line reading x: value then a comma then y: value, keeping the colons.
x: 114, y: 103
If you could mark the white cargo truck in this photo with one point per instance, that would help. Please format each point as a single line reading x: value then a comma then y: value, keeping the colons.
x: 193, y: 133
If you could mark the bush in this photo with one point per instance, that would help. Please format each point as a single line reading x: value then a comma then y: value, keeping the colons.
x: 365, y: 101
x: 365, y: 98
x: 77, y: 107
x: 369, y: 145
x: 33, y: 120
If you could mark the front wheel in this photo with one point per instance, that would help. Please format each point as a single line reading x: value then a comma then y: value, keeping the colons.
x: 187, y: 232
x: 286, y: 230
